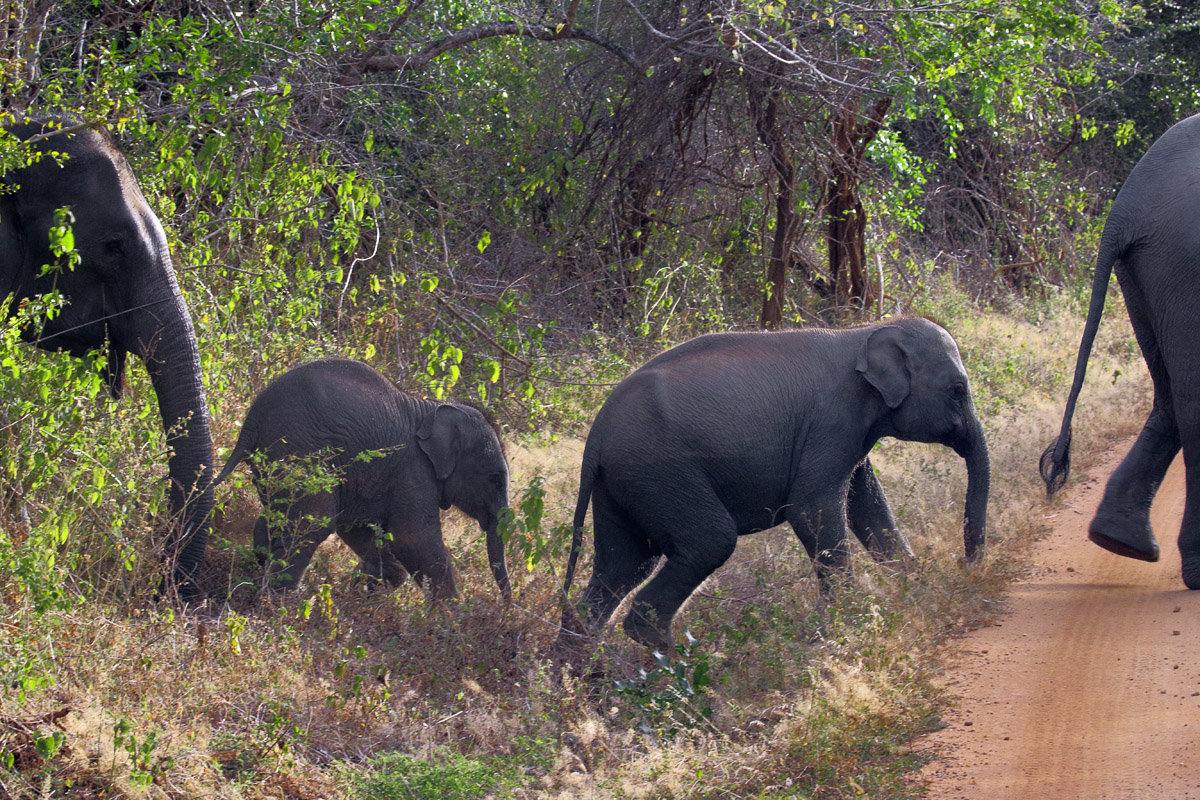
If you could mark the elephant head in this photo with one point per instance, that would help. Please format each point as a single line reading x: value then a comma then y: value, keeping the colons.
x: 122, y: 295
x: 915, y: 366
x: 468, y: 461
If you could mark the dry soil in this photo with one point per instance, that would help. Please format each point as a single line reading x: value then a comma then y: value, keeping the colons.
x: 1089, y: 687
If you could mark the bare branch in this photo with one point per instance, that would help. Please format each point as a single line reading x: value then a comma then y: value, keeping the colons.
x: 476, y: 33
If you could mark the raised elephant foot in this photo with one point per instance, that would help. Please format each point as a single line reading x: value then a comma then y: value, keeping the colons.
x: 1118, y: 541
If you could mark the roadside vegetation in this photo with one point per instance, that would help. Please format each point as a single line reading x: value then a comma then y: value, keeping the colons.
x: 516, y: 206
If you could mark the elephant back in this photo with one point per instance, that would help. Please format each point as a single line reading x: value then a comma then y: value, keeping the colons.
x: 338, y: 406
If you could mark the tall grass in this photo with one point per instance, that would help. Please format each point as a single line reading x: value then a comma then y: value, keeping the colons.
x: 343, y: 690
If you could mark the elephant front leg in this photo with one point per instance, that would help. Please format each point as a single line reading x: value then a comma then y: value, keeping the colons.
x: 870, y: 515
x: 371, y: 544
x: 1122, y: 521
x: 416, y: 543
x: 821, y: 528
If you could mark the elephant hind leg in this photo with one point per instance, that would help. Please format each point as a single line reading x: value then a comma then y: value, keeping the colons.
x: 1189, y: 531
x: 622, y: 560
x: 309, y: 522
x: 1122, y: 521
x: 654, y: 607
x: 698, y: 536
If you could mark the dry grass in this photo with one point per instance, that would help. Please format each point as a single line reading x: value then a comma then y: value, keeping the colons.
x: 292, y: 696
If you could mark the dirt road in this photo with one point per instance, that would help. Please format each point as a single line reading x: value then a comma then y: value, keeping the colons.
x: 1090, y: 686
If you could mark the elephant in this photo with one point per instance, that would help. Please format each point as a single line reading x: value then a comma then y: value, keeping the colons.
x: 121, y: 297
x: 1151, y: 239
x: 733, y: 433
x: 395, y: 460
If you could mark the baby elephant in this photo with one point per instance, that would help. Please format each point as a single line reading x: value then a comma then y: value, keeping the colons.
x: 334, y: 446
x: 734, y: 433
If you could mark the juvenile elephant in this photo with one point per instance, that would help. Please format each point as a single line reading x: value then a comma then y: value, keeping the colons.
x: 1152, y: 240
x: 733, y: 433
x: 395, y: 460
x: 122, y: 294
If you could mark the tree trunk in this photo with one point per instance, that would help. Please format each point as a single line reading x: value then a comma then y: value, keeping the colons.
x: 764, y: 109
x: 846, y: 220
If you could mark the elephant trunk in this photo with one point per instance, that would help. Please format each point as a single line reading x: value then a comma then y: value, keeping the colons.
x: 495, y: 551
x: 975, y: 452
x: 162, y: 335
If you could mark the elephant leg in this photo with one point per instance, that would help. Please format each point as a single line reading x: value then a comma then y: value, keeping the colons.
x: 821, y: 528
x: 430, y: 564
x: 262, y: 540
x: 698, y: 536
x: 416, y: 543
x: 310, y: 521
x: 654, y: 607
x: 1122, y: 521
x: 870, y: 515
x: 623, y: 559
x: 1189, y: 531
x: 375, y: 556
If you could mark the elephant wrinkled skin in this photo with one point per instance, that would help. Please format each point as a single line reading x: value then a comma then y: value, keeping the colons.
x: 122, y: 295
x: 1151, y: 240
x: 733, y: 433
x: 391, y: 462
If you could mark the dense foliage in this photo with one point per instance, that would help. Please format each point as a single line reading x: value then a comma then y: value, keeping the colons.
x: 513, y: 203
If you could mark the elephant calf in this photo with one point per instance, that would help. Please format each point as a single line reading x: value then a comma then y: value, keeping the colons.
x: 734, y: 433
x: 390, y: 461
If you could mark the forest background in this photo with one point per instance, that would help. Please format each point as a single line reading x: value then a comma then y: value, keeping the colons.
x: 516, y: 204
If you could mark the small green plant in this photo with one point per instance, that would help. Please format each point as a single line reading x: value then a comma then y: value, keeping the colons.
x: 445, y: 775
x: 674, y: 695
x: 525, y: 534
x: 145, y: 767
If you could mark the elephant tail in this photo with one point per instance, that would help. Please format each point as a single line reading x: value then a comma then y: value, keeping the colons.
x: 587, y: 479
x: 1055, y: 463
x: 240, y: 451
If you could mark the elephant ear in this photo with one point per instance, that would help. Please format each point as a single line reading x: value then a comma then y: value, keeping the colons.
x: 442, y: 436
x: 882, y: 364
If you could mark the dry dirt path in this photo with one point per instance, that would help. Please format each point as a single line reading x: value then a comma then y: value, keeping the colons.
x: 1089, y: 688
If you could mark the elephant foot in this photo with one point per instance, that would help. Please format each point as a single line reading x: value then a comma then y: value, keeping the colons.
x: 643, y: 631
x: 1124, y: 540
x: 1191, y: 572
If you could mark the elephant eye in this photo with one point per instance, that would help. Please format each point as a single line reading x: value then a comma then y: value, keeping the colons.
x: 115, y: 246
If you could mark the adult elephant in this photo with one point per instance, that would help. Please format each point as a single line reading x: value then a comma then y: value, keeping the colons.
x: 734, y: 433
x: 122, y: 296
x: 1152, y: 240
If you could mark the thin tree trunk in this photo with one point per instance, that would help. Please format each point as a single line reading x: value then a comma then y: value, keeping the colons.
x: 764, y: 108
x: 846, y: 219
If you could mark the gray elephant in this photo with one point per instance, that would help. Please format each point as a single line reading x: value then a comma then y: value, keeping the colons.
x: 395, y: 461
x: 122, y: 295
x: 733, y: 433
x: 1152, y: 240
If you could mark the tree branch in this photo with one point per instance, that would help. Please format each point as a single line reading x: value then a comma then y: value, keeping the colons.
x: 489, y: 30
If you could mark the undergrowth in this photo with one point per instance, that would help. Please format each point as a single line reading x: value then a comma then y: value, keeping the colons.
x: 342, y: 689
